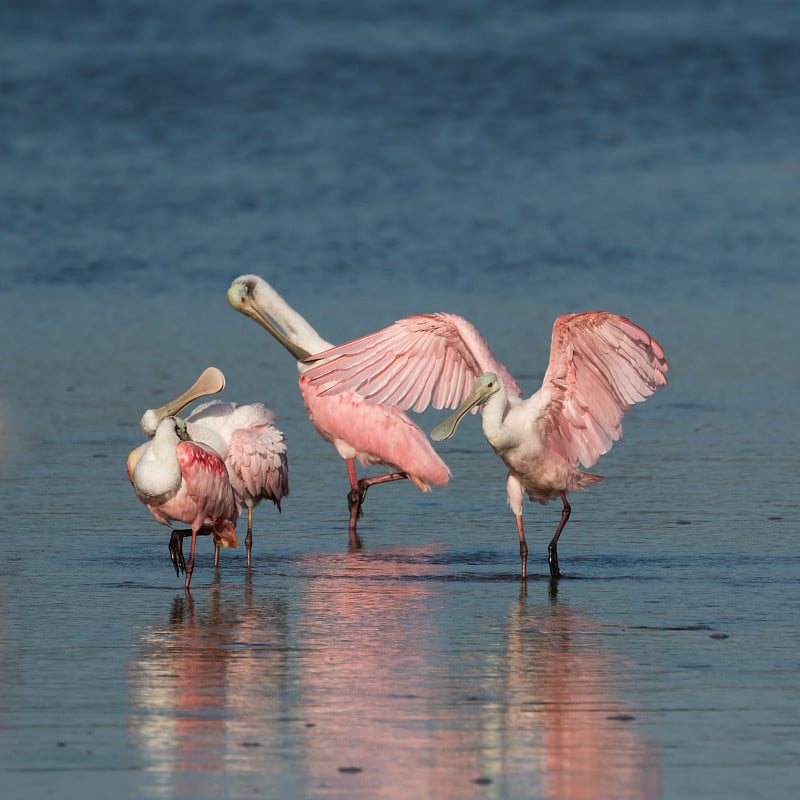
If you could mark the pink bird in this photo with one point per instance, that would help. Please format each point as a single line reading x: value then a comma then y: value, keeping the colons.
x: 600, y: 365
x: 373, y: 433
x: 244, y: 436
x: 179, y: 480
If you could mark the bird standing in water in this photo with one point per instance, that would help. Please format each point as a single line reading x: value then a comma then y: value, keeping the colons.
x: 600, y: 365
x: 372, y: 433
x: 244, y: 436
x: 181, y: 481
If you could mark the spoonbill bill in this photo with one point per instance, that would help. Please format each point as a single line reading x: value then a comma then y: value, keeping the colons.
x: 179, y: 480
x: 244, y: 436
x: 600, y: 365
x: 373, y: 433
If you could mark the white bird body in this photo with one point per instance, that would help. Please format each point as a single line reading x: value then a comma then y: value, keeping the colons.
x: 157, y: 472
x: 600, y: 365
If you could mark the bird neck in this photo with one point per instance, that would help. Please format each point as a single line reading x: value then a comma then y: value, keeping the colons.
x: 157, y: 473
x: 493, y: 417
x: 164, y: 445
x: 295, y: 327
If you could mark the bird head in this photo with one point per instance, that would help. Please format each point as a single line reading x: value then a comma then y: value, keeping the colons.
x: 485, y: 387
x: 242, y: 297
x: 211, y: 381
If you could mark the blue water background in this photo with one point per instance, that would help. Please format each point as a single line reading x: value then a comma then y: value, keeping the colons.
x: 506, y: 161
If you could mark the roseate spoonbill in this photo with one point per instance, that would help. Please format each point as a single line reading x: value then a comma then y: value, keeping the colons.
x: 373, y: 433
x: 600, y: 365
x: 179, y: 480
x: 244, y: 436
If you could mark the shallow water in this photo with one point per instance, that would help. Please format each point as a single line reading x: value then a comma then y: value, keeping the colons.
x: 373, y: 160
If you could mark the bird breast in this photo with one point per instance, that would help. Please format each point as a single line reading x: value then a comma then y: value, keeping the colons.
x: 156, y: 479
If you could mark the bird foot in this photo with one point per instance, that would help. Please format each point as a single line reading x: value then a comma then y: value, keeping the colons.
x: 189, y: 570
x: 248, y: 544
x: 523, y: 557
x: 552, y: 560
x: 176, y: 552
x: 355, y: 499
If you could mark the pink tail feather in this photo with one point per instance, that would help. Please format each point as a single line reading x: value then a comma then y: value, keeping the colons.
x: 225, y: 535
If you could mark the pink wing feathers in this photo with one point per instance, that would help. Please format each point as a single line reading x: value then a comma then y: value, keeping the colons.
x: 258, y: 456
x: 600, y: 365
x: 420, y: 361
x: 374, y: 434
x: 206, y: 480
x: 253, y: 448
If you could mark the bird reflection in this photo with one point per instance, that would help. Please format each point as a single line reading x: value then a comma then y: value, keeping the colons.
x: 203, y: 685
x: 563, y: 712
x: 384, y: 716
x: 373, y: 679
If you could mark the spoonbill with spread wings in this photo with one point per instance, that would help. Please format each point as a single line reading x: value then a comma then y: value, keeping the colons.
x: 600, y: 365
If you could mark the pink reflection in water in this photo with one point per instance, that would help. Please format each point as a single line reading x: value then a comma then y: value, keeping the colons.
x: 564, y: 710
x: 366, y: 684
x: 206, y: 690
x: 376, y: 684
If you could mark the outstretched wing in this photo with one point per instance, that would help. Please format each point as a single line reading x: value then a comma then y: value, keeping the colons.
x: 600, y: 365
x: 420, y: 361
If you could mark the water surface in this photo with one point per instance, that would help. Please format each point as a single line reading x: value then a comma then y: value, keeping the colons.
x: 373, y: 160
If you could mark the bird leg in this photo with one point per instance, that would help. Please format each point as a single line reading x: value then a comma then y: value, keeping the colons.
x: 552, y: 548
x: 358, y: 490
x: 176, y: 550
x: 216, y: 556
x: 248, y: 539
x: 176, y: 547
x: 355, y: 540
x: 365, y: 483
x: 354, y: 498
x: 523, y: 546
x: 190, y: 562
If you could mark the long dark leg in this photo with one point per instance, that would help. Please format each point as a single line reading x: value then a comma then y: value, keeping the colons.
x: 523, y: 546
x: 365, y: 483
x: 353, y: 503
x: 248, y: 539
x: 358, y: 489
x: 355, y: 541
x: 552, y: 548
x: 190, y: 562
x: 176, y: 550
